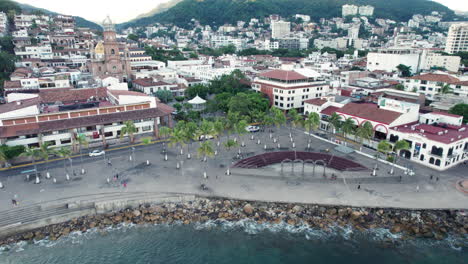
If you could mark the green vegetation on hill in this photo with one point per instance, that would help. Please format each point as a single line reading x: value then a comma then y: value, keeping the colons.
x: 218, y: 12
x: 79, y: 21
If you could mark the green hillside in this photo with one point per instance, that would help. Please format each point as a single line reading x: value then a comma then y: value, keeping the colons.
x: 80, y: 22
x: 218, y: 12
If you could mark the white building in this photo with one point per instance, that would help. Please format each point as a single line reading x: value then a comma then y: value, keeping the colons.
x: 3, y: 24
x: 221, y: 41
x: 280, y: 29
x: 353, y: 32
x: 305, y: 18
x: 338, y: 43
x: 349, y: 10
x: 389, y: 59
x: 35, y: 52
x: 457, y: 38
x: 290, y: 89
x: 450, y: 63
x: 366, y: 10
x: 270, y: 45
x: 429, y: 84
x: 437, y: 140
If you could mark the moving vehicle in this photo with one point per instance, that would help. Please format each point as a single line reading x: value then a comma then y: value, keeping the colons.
x: 252, y: 128
x: 97, y: 153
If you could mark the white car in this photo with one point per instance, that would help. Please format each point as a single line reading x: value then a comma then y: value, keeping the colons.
x: 205, y: 137
x: 252, y: 128
x: 96, y: 153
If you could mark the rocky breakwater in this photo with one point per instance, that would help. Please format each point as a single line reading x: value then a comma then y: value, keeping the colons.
x: 432, y: 224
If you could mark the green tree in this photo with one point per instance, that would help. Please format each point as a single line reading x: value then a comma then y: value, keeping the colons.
x: 165, y: 131
x: 400, y: 87
x: 335, y: 121
x: 81, y: 141
x: 129, y: 129
x: 164, y: 95
x: 405, y: 71
x: 45, y: 153
x: 198, y: 89
x: 384, y: 147
x: 348, y: 127
x: 230, y: 143
x: 34, y: 154
x: 460, y: 109
x: 133, y: 37
x: 445, y: 89
x: 401, y: 145
x: 65, y: 153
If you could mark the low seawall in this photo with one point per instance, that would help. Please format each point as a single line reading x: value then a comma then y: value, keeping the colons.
x: 187, y: 209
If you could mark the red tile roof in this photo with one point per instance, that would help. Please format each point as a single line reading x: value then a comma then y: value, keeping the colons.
x: 435, y: 133
x: 283, y: 75
x: 316, y: 101
x: 12, y: 84
x: 369, y: 112
x: 65, y: 95
x: 432, y: 77
x: 329, y: 110
x: 462, y: 83
x: 4, y: 108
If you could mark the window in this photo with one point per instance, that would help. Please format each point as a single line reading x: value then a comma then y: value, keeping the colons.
x: 65, y: 141
x: 146, y: 128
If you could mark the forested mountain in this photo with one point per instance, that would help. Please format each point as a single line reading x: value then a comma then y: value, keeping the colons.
x: 218, y: 12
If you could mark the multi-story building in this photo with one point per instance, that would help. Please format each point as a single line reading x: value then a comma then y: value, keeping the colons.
x: 389, y: 59
x: 353, y: 32
x: 457, y: 38
x: 450, y: 63
x: 35, y: 52
x: 3, y: 24
x: 149, y: 86
x: 366, y: 10
x: 437, y: 140
x: 220, y: 41
x: 429, y: 84
x: 293, y: 43
x: 280, y: 29
x: 99, y: 120
x: 349, y: 10
x: 289, y: 89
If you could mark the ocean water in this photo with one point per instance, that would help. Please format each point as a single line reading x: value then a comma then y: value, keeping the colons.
x: 226, y: 243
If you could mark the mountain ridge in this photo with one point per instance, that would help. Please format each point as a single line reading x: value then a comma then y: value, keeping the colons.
x: 218, y: 12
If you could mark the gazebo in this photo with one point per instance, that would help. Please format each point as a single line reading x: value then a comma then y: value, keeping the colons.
x: 197, y: 103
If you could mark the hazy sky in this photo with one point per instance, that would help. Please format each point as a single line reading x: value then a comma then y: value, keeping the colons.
x: 124, y: 10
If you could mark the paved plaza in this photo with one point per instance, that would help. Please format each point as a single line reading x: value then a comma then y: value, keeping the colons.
x: 270, y: 183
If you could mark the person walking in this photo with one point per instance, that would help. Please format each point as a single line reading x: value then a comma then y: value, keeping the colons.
x: 417, y: 188
x: 359, y: 187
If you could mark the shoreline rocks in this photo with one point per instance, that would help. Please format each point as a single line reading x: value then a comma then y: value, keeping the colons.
x: 430, y: 224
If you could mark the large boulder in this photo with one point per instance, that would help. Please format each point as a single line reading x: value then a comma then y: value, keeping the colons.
x: 248, y: 209
x: 136, y: 213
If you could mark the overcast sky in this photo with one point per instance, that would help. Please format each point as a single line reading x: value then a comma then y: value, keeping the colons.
x: 124, y: 10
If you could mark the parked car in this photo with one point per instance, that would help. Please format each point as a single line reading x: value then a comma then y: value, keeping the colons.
x: 252, y: 128
x: 205, y: 137
x: 96, y: 153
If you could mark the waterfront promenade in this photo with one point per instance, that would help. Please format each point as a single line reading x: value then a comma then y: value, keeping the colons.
x: 350, y: 188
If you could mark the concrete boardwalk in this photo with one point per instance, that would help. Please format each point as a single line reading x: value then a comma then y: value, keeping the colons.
x: 385, y: 190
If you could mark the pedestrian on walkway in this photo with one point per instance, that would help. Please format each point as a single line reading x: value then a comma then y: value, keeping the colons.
x: 400, y: 178
x: 437, y: 179
x: 125, y: 184
x: 109, y: 162
x: 417, y: 188
x: 432, y: 177
x: 14, y: 202
x: 359, y: 187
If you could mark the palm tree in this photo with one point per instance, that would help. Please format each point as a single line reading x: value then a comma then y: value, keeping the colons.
x: 218, y: 128
x: 165, y: 131
x: 347, y: 127
x: 400, y: 145
x: 230, y: 143
x: 65, y: 153
x: 81, y: 140
x: 178, y: 138
x: 335, y: 121
x: 445, y: 89
x: 231, y: 121
x: 34, y: 154
x: 129, y: 129
x: 240, y: 130
x: 368, y: 131
x: 205, y: 150
x: 3, y: 157
x: 45, y: 152
x: 311, y: 123
x: 206, y: 129
x: 384, y: 147
x: 294, y: 118
x: 191, y: 133
x: 146, y: 141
